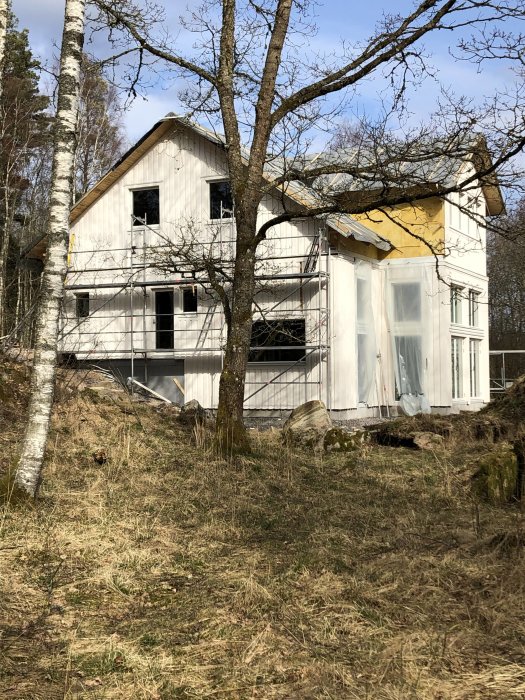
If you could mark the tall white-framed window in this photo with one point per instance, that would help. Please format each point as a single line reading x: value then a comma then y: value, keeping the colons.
x: 473, y: 308
x: 408, y: 341
x: 471, y: 223
x: 366, y: 343
x: 474, y: 346
x: 456, y: 299
x: 457, y: 367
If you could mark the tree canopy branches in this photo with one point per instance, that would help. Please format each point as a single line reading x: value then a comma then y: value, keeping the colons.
x: 251, y: 73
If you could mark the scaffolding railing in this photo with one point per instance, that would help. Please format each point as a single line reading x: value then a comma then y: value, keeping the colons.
x: 138, y: 339
x: 507, y: 372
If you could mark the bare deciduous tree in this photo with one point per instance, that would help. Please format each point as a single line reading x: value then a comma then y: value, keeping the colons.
x: 30, y: 463
x: 250, y: 76
x: 100, y: 137
x: 506, y: 268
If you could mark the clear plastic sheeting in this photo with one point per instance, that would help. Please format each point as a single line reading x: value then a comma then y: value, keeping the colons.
x: 366, y: 338
x: 408, y: 310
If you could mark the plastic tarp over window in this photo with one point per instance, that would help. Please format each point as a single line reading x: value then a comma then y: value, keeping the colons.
x: 365, y: 329
x: 409, y: 322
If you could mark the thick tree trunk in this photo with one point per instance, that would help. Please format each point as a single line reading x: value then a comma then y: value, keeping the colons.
x: 231, y: 433
x: 44, y: 367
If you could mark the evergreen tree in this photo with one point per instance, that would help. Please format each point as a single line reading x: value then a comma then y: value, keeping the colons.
x: 24, y: 128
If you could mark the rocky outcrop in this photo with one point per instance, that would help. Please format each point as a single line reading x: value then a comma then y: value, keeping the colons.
x: 307, y: 425
x: 428, y: 441
x: 192, y: 413
x: 343, y: 440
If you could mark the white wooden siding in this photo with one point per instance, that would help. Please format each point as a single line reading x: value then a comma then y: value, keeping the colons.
x: 182, y: 165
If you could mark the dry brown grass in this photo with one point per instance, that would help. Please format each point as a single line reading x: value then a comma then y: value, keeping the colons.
x: 168, y: 573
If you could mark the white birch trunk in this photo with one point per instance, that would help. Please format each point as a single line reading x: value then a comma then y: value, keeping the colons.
x: 4, y: 16
x: 44, y: 366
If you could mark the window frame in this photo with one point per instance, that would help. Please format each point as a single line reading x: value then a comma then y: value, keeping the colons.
x: 456, y: 366
x: 136, y: 190
x: 474, y: 375
x: 194, y: 297
x: 473, y: 308
x: 456, y: 304
x: 82, y: 305
x: 164, y: 337
x: 289, y: 354
x: 212, y: 183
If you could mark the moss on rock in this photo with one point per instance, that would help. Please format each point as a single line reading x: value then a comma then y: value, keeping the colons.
x: 497, y: 475
x: 341, y: 440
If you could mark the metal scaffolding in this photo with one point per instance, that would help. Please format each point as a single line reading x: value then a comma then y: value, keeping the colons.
x: 505, y: 367
x: 208, y: 338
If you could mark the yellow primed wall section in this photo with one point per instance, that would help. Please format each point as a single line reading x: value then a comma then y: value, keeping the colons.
x: 426, y: 219
x: 350, y: 245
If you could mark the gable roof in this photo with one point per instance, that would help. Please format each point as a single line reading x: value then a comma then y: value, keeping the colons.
x: 436, y: 164
x: 342, y: 224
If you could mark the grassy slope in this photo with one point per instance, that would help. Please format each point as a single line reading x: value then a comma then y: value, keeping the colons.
x: 166, y: 573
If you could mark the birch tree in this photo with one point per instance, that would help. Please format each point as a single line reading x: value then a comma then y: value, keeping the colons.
x: 29, y: 466
x: 252, y: 75
x: 4, y: 16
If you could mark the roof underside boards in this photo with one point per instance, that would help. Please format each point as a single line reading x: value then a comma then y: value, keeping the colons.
x: 349, y: 228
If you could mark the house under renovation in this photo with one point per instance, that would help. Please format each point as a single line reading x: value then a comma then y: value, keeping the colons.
x: 348, y: 311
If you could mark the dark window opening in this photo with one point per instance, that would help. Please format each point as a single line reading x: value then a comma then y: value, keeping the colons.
x: 164, y: 321
x: 189, y: 299
x: 146, y: 206
x: 221, y: 203
x: 82, y: 304
x: 278, y: 341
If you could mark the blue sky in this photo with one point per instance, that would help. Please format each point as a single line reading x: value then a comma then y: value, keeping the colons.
x: 337, y: 20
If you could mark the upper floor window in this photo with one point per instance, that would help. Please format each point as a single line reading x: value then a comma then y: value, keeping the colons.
x: 455, y: 303
x: 221, y: 202
x: 146, y: 206
x: 473, y: 306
